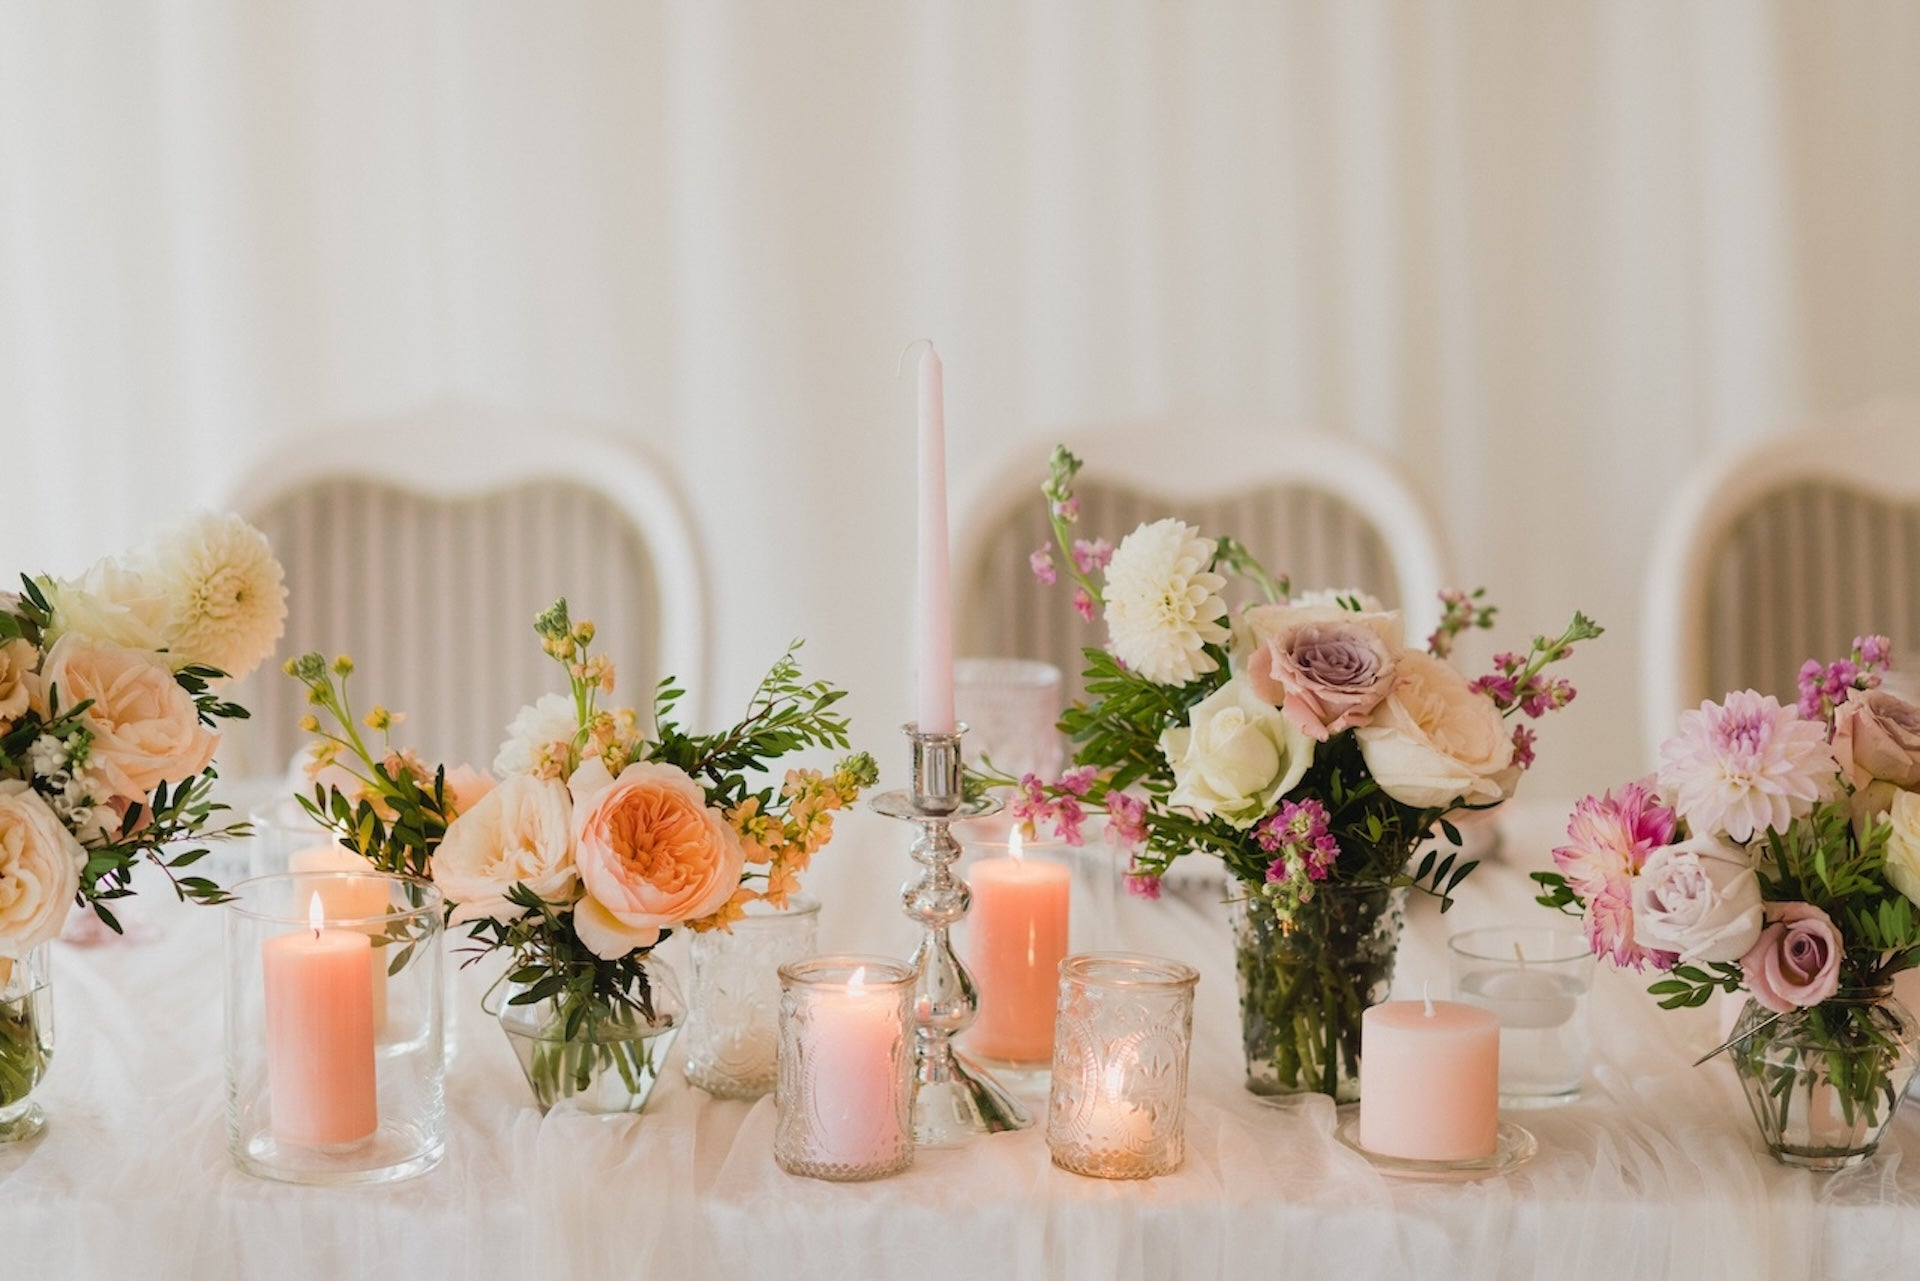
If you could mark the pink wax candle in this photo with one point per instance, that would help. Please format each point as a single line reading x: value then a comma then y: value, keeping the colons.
x: 1429, y: 1080
x: 935, y: 613
x: 849, y: 1043
x: 349, y: 898
x: 1017, y: 933
x: 319, y: 1015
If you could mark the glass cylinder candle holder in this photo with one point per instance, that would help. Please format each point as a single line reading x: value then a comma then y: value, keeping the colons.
x: 1016, y: 934
x: 1117, y: 1109
x: 844, y: 1102
x: 733, y: 1021
x: 334, y: 1027
x: 1536, y: 980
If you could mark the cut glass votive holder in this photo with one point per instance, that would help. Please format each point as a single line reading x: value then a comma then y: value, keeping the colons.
x: 1537, y: 981
x: 732, y: 1032
x: 336, y: 1065
x: 844, y: 1101
x: 1117, y: 1109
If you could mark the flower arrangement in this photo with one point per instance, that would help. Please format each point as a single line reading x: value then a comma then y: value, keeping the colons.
x: 1776, y: 853
x: 596, y: 840
x: 1299, y: 739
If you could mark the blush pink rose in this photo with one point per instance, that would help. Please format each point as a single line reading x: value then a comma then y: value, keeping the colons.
x: 1876, y: 735
x: 651, y: 853
x: 146, y: 730
x: 1326, y: 676
x: 467, y: 787
x: 1795, y: 963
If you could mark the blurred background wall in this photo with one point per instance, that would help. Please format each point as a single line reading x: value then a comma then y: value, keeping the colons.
x: 1548, y: 256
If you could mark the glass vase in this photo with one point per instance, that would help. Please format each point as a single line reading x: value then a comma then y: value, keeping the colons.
x: 1305, y: 978
x: 733, y: 1025
x: 609, y: 1065
x: 1825, y: 1082
x: 26, y: 1041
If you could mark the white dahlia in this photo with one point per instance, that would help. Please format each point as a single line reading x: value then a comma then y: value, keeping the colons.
x: 1746, y: 766
x: 1163, y: 604
x: 227, y: 593
x: 539, y: 739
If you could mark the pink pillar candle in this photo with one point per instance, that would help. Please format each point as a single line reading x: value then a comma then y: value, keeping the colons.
x: 1017, y: 934
x: 319, y: 1016
x: 350, y: 898
x: 850, y: 1045
x: 935, y: 606
x: 1429, y: 1081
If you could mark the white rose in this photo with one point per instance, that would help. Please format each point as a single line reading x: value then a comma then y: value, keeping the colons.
x: 110, y: 603
x: 17, y: 658
x: 1699, y: 898
x: 146, y: 730
x: 40, y: 864
x: 1236, y: 756
x: 1903, y: 845
x: 1434, y: 742
x: 538, y: 730
x: 520, y: 833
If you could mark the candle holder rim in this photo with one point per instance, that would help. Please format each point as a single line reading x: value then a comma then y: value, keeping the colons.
x: 431, y: 900
x: 1035, y: 672
x: 899, y: 804
x: 912, y: 730
x: 1577, y: 948
x: 1156, y: 972
x: 899, y: 973
x: 760, y: 911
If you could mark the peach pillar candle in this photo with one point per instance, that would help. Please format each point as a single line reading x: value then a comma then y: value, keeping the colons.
x: 848, y: 1043
x: 1017, y: 931
x: 1429, y: 1080
x: 319, y: 1015
x: 935, y: 604
x: 344, y: 898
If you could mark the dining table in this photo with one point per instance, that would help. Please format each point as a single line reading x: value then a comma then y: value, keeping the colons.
x: 1657, y: 1169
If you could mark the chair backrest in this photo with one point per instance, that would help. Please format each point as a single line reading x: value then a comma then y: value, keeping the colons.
x: 425, y: 547
x: 1326, y: 511
x: 1783, y: 552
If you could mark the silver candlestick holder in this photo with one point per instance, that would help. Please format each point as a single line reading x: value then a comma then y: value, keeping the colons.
x: 953, y: 1099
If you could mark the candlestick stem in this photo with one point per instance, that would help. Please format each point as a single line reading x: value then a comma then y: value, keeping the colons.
x: 954, y: 1099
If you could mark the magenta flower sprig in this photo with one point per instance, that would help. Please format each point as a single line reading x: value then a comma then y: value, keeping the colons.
x: 1461, y: 611
x: 1081, y: 558
x: 1517, y: 682
x: 1298, y: 835
x: 1824, y: 686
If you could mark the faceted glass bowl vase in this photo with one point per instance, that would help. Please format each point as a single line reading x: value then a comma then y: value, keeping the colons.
x: 1824, y: 1082
x: 609, y: 1065
x: 26, y: 1041
x: 1304, y: 982
x: 733, y: 1025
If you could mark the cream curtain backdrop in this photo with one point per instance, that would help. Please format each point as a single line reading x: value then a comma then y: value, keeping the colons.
x: 1547, y: 255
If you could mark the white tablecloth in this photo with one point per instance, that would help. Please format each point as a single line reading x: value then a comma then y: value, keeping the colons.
x: 1657, y: 1171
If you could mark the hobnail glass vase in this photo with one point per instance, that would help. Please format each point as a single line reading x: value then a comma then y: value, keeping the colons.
x: 26, y: 1041
x: 1825, y: 1082
x: 609, y: 1065
x: 1305, y: 979
x: 733, y: 1025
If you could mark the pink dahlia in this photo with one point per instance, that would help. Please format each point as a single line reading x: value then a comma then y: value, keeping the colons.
x: 1746, y: 766
x: 1608, y: 839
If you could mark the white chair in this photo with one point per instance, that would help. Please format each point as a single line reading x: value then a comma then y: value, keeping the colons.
x: 1326, y: 511
x: 1775, y: 554
x: 425, y: 546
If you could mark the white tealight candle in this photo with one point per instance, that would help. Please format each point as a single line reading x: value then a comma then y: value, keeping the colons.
x: 1522, y: 998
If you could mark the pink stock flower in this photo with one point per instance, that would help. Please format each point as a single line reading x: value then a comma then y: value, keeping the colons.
x: 1126, y: 819
x: 1746, y: 766
x: 1523, y: 741
x: 1083, y: 604
x: 1033, y: 806
x: 1091, y: 556
x: 1142, y: 884
x: 1079, y: 781
x: 1068, y: 817
x: 1297, y: 835
x: 1041, y: 562
x: 1067, y: 510
x: 1873, y: 651
x: 1608, y: 840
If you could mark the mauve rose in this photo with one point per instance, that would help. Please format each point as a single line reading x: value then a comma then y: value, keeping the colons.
x: 1876, y: 735
x: 1795, y: 963
x: 1326, y: 677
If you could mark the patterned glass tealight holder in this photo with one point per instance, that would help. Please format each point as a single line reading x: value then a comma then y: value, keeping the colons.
x: 844, y: 1102
x: 733, y: 1020
x: 334, y: 1027
x: 1117, y: 1109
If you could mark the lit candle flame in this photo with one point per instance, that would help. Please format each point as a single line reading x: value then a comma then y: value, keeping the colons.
x: 316, y: 914
x: 858, y: 979
x: 1016, y: 844
x: 1426, y: 994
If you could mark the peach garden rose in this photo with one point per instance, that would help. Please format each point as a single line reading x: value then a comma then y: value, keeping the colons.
x: 145, y: 728
x: 40, y: 865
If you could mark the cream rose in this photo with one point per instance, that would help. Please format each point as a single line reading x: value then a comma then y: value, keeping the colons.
x: 1236, y: 756
x: 40, y: 864
x: 652, y: 854
x: 467, y: 787
x: 1433, y: 742
x: 519, y: 833
x: 1699, y: 898
x: 1903, y: 844
x: 110, y: 603
x: 17, y: 658
x: 146, y: 730
x: 1876, y: 735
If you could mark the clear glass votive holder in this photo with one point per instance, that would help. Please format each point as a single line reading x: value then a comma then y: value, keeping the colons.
x: 1018, y: 930
x: 1117, y: 1109
x: 1537, y: 981
x: 1011, y: 708
x: 334, y: 1027
x: 732, y: 1032
x: 844, y: 1101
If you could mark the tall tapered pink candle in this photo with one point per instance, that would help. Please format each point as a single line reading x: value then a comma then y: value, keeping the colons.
x: 1429, y: 1080
x: 1018, y: 937
x: 935, y: 603
x: 319, y: 1005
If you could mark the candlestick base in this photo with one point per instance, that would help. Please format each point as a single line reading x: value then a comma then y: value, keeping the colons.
x: 1513, y: 1146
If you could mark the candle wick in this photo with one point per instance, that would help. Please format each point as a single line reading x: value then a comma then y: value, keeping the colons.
x: 1519, y: 955
x: 900, y: 365
x: 1426, y: 995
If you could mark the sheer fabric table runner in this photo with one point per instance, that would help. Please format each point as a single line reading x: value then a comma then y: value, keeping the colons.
x: 1656, y: 1171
